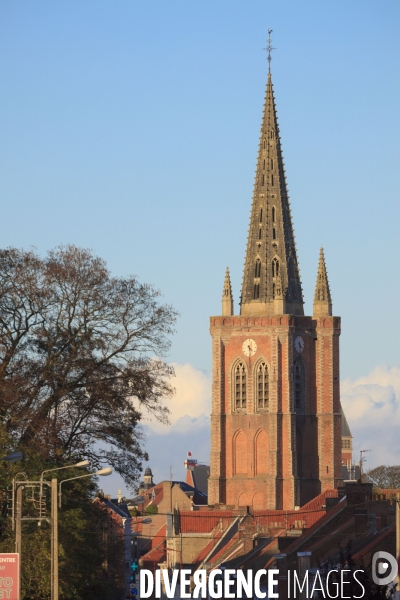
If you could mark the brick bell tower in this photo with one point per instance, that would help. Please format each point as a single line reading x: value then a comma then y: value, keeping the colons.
x: 276, y: 416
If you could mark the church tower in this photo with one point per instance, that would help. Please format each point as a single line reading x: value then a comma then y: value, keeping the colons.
x: 276, y: 417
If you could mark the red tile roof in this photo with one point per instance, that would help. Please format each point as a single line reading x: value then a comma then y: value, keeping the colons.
x: 376, y: 543
x: 205, y: 521
x: 320, y: 500
x: 288, y: 519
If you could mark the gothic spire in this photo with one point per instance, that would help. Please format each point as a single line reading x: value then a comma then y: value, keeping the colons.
x: 271, y: 279
x: 227, y: 298
x: 322, y: 296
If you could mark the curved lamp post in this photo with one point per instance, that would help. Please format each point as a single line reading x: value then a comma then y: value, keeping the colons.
x: 103, y: 472
x: 82, y: 463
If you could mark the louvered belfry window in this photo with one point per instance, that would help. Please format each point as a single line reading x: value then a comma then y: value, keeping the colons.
x: 240, y: 386
x: 298, y: 385
x: 262, y: 386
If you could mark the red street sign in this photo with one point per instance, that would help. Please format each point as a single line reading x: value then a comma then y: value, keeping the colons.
x: 9, y: 575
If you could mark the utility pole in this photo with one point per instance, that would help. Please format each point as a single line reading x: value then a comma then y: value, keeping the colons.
x: 362, y: 459
x: 170, y: 491
x: 18, y: 521
x: 398, y: 541
x: 54, y: 540
x: 18, y: 526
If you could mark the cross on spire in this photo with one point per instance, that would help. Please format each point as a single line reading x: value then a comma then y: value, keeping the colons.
x: 269, y: 49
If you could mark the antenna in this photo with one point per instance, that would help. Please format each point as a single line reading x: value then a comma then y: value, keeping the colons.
x: 269, y: 49
x: 362, y: 460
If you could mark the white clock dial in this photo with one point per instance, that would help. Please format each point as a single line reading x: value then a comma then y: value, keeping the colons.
x: 249, y: 347
x: 299, y: 344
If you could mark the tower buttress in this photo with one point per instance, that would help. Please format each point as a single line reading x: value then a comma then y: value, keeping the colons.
x: 322, y: 296
x: 227, y: 297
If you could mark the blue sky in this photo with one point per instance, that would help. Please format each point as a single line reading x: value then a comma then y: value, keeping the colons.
x: 132, y: 128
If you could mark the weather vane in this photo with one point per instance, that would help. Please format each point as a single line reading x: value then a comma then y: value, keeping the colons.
x: 269, y: 49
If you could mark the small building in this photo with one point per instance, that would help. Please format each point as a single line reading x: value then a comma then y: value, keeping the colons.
x: 347, y: 441
x: 197, y: 477
x: 147, y: 482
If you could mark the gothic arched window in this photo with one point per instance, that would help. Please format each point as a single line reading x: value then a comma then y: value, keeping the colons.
x: 261, y: 215
x: 274, y: 233
x: 256, y: 291
x: 257, y: 270
x: 272, y: 179
x: 273, y: 214
x: 240, y: 386
x: 275, y: 267
x: 298, y: 380
x: 262, y: 386
x: 262, y: 179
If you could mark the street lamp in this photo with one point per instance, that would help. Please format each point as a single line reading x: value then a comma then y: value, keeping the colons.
x: 54, y: 519
x: 103, y: 472
x: 13, y: 457
x: 82, y: 463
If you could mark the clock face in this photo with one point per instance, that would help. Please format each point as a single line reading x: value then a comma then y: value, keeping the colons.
x: 249, y: 347
x: 299, y: 344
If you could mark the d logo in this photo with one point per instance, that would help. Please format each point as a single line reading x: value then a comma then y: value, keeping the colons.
x: 384, y: 571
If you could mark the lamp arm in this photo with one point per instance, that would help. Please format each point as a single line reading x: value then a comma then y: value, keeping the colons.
x: 70, y: 479
x: 57, y: 469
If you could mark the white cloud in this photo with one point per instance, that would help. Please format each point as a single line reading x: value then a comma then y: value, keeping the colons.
x: 191, y: 405
x: 371, y: 404
x: 372, y: 407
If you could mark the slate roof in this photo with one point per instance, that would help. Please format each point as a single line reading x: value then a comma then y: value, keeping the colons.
x: 198, y: 476
x: 345, y: 431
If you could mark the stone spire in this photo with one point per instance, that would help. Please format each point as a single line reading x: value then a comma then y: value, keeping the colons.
x: 322, y: 296
x: 227, y: 298
x: 271, y: 280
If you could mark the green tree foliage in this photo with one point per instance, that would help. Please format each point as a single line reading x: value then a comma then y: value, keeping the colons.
x: 151, y: 509
x: 91, y: 542
x: 384, y: 477
x: 78, y: 362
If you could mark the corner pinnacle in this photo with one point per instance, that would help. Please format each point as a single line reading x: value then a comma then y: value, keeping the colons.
x: 227, y: 298
x: 322, y: 295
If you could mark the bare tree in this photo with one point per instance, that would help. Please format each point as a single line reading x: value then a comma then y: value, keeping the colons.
x: 80, y: 357
x: 384, y: 476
